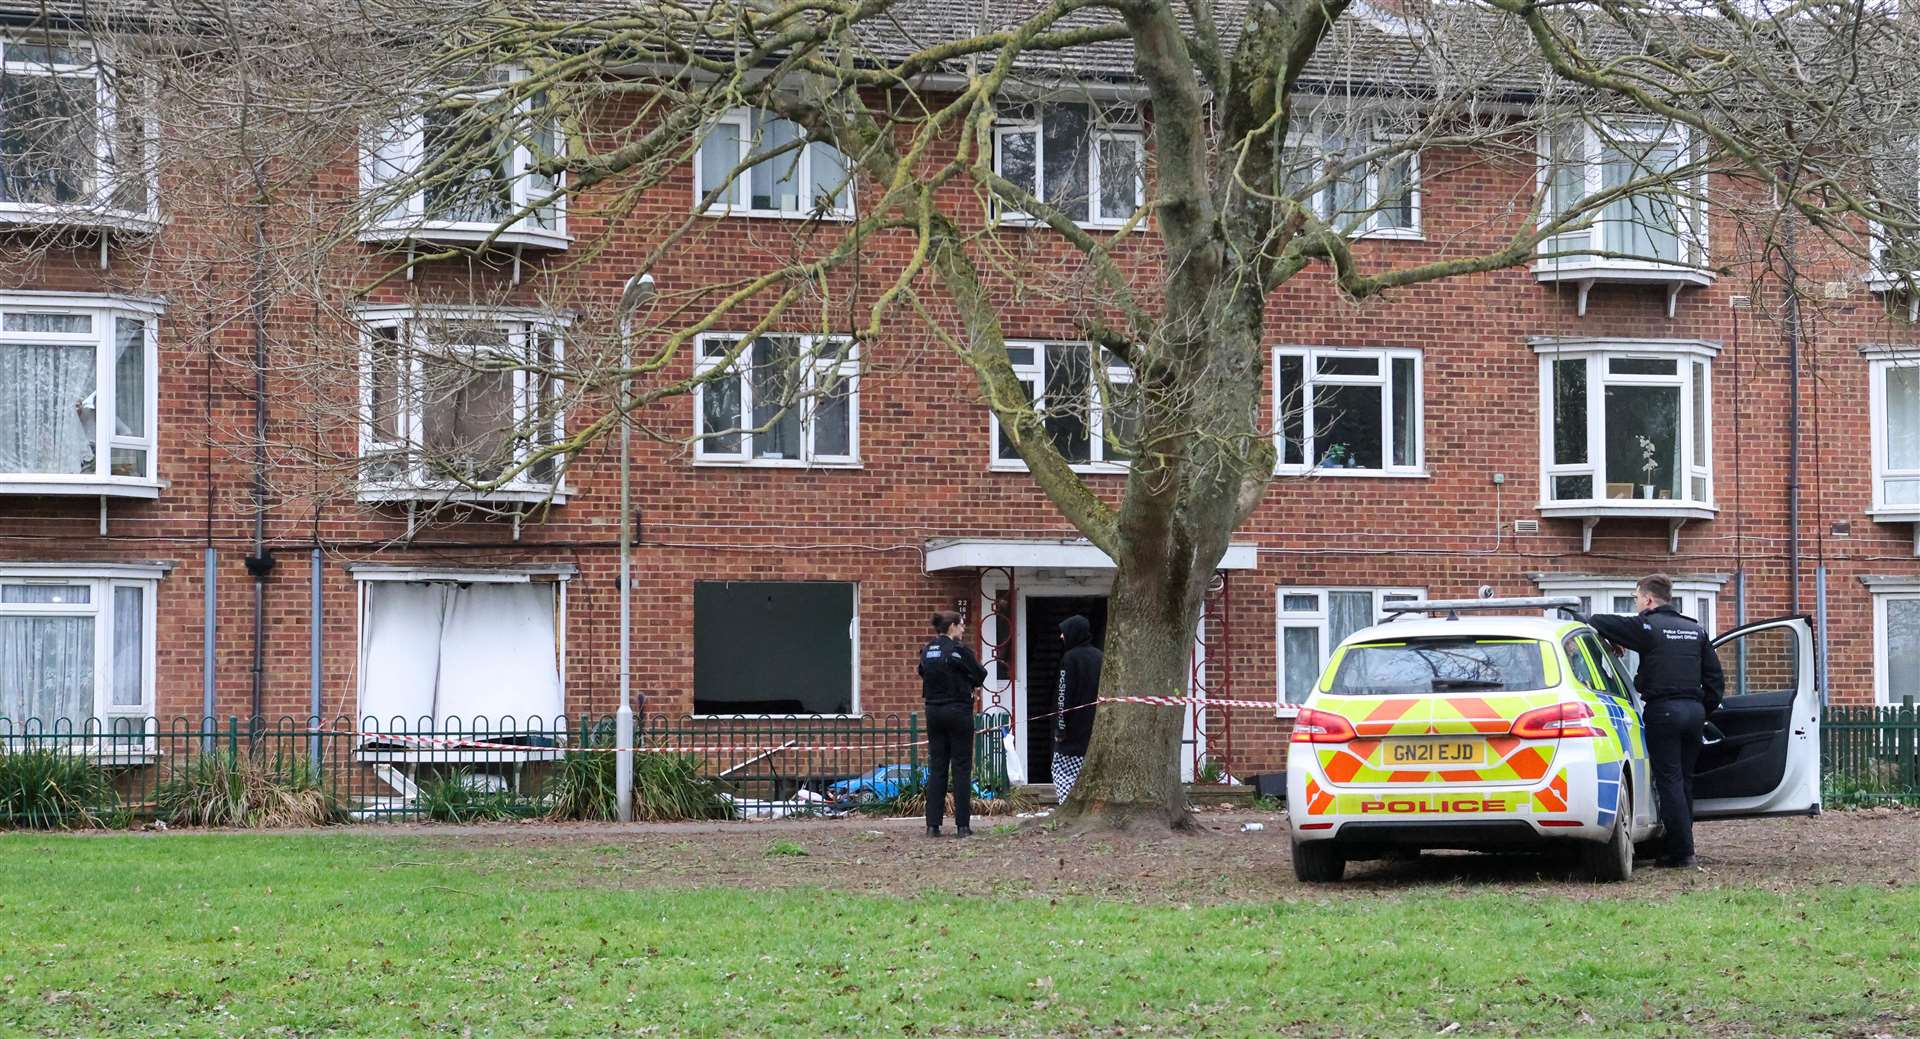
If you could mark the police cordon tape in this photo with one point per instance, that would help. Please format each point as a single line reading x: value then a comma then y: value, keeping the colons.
x: 445, y: 743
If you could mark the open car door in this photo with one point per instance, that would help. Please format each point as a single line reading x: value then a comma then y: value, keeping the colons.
x: 1767, y: 761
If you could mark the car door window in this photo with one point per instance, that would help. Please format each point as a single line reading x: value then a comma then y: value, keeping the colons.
x: 1763, y: 662
x: 1582, y: 665
x: 1610, y: 673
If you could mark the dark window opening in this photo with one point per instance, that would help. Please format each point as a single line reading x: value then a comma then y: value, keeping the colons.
x: 773, y: 647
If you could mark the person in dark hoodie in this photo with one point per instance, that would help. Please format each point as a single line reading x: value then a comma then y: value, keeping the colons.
x: 1075, y: 694
x: 950, y: 677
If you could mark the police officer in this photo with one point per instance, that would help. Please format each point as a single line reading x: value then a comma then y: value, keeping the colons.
x: 950, y: 677
x: 1680, y: 682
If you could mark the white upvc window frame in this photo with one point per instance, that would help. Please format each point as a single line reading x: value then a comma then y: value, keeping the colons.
x: 1126, y: 132
x: 1692, y: 360
x: 1884, y: 593
x: 1696, y: 597
x: 1384, y: 358
x: 1586, y: 243
x: 1880, y: 365
x: 1319, y: 620
x: 1033, y: 375
x: 1325, y: 158
x: 110, y: 104
x: 396, y: 152
x: 819, y: 368
x: 736, y: 201
x: 413, y: 326
x: 135, y: 731
x: 104, y: 312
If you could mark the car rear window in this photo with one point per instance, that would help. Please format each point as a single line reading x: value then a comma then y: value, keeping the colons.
x: 1440, y: 665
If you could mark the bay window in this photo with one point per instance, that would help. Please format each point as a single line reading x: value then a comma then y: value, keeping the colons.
x: 1375, y: 197
x: 77, y: 396
x: 452, y: 399
x: 780, y: 172
x: 1341, y: 412
x: 473, y: 167
x: 1085, y: 162
x: 781, y: 400
x: 1895, y: 388
x: 74, y: 141
x: 77, y: 649
x: 1091, y: 414
x: 1313, y: 621
x: 1626, y: 426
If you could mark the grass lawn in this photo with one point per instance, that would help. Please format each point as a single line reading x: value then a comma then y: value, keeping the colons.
x: 352, y: 935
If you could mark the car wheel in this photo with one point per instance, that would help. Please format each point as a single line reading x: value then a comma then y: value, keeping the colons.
x: 1318, y: 862
x: 1612, y: 862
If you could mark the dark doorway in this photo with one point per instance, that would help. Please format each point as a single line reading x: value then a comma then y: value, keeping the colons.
x: 1044, y: 650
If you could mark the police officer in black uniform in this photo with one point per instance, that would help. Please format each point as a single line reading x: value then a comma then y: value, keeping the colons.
x: 1680, y: 683
x: 950, y: 678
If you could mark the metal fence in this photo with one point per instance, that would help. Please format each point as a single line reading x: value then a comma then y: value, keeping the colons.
x: 1870, y: 754
x: 128, y: 771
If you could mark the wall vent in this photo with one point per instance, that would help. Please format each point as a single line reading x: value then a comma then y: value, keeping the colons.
x: 1526, y: 526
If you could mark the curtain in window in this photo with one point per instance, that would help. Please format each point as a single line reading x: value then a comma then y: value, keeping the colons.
x: 475, y: 654
x: 467, y: 422
x: 1645, y: 225
x: 1300, y: 662
x: 46, y: 408
x: 1903, y: 434
x: 718, y: 154
x: 1347, y: 612
x: 46, y: 670
x: 129, y: 644
x: 1903, y: 649
x: 774, y: 184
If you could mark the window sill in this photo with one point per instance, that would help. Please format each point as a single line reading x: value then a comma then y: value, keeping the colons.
x: 1355, y: 474
x: 1087, y: 468
x: 772, y: 463
x: 1584, y: 274
x: 1590, y: 513
x: 1391, y: 234
x: 1107, y: 226
x: 1287, y: 710
x: 80, y: 486
x: 728, y: 212
x: 384, y: 494
x: 469, y: 234
x: 82, y: 216
x: 1895, y: 513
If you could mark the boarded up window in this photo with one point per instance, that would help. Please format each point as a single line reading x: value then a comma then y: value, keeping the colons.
x: 773, y: 647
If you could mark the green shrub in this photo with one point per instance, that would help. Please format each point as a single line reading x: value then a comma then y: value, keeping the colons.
x: 670, y: 787
x: 455, y: 798
x: 783, y: 848
x: 229, y: 789
x: 582, y: 786
x: 50, y: 790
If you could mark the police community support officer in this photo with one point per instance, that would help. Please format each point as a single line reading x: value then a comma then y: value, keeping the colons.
x: 949, y: 677
x: 1680, y: 682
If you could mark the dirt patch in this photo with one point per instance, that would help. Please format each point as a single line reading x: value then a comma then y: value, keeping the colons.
x: 1224, y: 862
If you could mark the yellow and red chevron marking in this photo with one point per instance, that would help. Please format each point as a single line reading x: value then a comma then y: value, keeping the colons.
x: 1553, y: 796
x: 1510, y: 762
x: 1318, y: 800
x: 1375, y: 717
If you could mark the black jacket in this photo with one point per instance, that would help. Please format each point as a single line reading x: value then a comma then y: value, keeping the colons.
x: 1077, y: 689
x: 949, y: 672
x: 1676, y: 657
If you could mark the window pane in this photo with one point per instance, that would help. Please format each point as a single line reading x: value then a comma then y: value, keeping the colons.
x: 63, y: 324
x: 1003, y: 447
x: 1120, y: 177
x: 830, y: 188
x: 1578, y: 661
x: 1903, y: 649
x: 1016, y: 159
x: 1068, y: 397
x: 467, y: 413
x: 46, y: 593
x: 129, y: 643
x: 1642, y: 366
x: 720, y: 409
x: 1122, y: 417
x: 1406, y: 413
x: 1436, y: 665
x: 1567, y: 181
x: 1300, y: 603
x: 46, y: 669
x: 1570, y: 412
x: 465, y: 165
x: 774, y: 184
x: 47, y: 129
x: 1644, y: 225
x: 1336, y: 365
x: 1572, y: 488
x: 776, y: 387
x: 1903, y: 418
x: 801, y: 639
x: 1348, y: 433
x: 718, y: 155
x: 127, y: 461
x: 1293, y: 417
x: 386, y: 361
x: 1395, y: 205
x: 1020, y: 356
x: 833, y: 415
x: 1066, y: 158
x: 1347, y: 612
x: 47, y: 404
x: 130, y: 378
x: 543, y: 403
x: 1643, y: 441
x: 1346, y: 202
x: 1300, y: 661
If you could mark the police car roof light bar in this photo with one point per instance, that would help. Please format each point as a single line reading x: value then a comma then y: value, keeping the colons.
x: 1566, y: 604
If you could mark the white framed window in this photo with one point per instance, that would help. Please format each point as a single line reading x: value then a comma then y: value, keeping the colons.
x: 1662, y: 225
x: 782, y: 174
x: 1698, y: 598
x: 1363, y: 198
x: 1313, y: 621
x: 1895, y: 424
x: 1896, y: 643
x: 1091, y: 414
x: 1627, y: 423
x: 776, y: 648
x: 77, y: 650
x: 1086, y: 162
x: 478, y: 165
x: 1348, y: 412
x: 78, y: 401
x: 453, y: 398
x: 781, y: 400
x: 74, y: 138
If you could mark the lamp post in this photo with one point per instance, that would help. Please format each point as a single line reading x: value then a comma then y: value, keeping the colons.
x: 637, y: 293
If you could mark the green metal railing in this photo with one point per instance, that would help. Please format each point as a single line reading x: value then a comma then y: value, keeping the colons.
x: 1870, y: 754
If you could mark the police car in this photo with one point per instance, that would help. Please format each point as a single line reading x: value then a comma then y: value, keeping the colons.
x: 1448, y: 727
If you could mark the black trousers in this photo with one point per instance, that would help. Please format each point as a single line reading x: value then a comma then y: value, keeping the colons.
x: 1673, y: 746
x: 950, y: 746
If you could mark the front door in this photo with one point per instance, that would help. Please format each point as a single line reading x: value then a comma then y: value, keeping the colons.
x: 1044, y: 650
x: 1767, y: 759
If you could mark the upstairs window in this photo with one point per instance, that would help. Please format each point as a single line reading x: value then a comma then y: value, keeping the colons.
x: 1631, y: 424
x: 781, y: 400
x: 1348, y: 412
x: 1359, y: 192
x: 456, y: 400
x: 1088, y: 163
x: 1660, y: 223
x: 1092, y: 415
x: 77, y: 399
x: 477, y: 163
x: 763, y: 165
x: 1896, y: 434
x: 71, y: 138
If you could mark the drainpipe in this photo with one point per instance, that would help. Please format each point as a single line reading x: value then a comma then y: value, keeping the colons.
x: 313, y: 692
x: 1793, y: 420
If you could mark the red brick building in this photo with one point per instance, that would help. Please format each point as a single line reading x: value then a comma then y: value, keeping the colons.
x: 1559, y: 427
